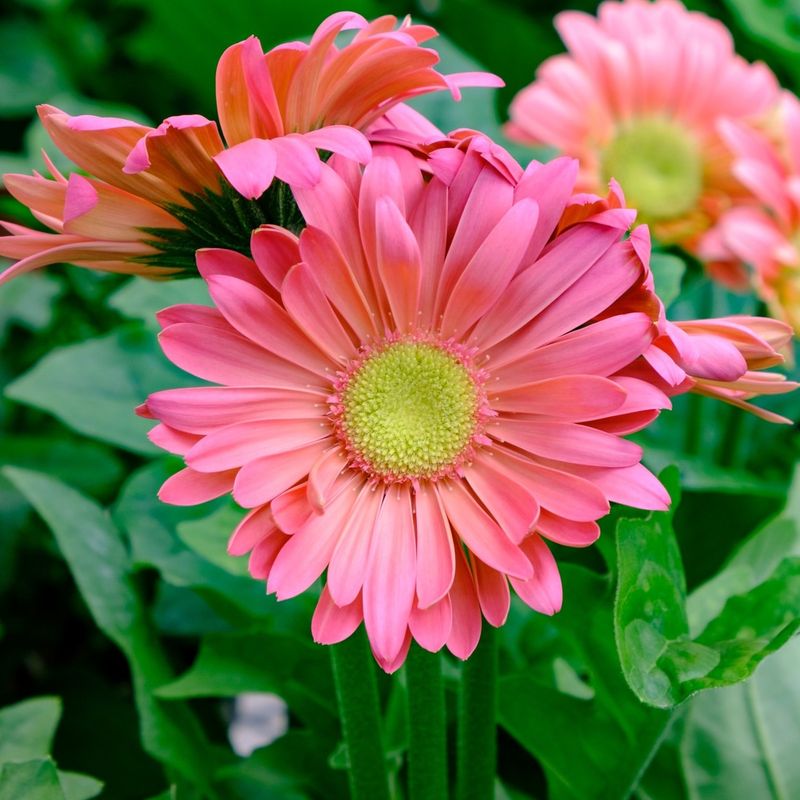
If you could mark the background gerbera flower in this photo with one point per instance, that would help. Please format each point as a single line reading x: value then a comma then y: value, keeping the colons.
x: 418, y: 393
x: 637, y: 98
x: 765, y: 233
x: 156, y: 195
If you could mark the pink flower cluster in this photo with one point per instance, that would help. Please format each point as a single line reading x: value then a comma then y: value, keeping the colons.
x: 431, y: 377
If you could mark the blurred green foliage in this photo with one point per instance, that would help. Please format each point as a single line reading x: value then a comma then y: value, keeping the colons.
x: 136, y: 619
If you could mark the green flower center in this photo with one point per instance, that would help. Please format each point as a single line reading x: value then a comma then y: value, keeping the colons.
x: 409, y: 411
x: 658, y: 164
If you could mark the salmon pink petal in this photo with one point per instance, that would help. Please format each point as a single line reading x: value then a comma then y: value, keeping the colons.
x: 263, y: 479
x: 275, y: 251
x: 435, y: 551
x: 264, y: 554
x: 467, y: 622
x: 341, y: 139
x: 493, y: 594
x: 307, y: 553
x: 235, y: 445
x: 566, y: 531
x: 256, y: 526
x: 431, y: 626
x: 324, y: 474
x: 227, y: 263
x: 291, y: 510
x: 509, y: 503
x: 482, y: 535
x: 190, y: 312
x: 172, y: 440
x: 391, y: 574
x: 297, y: 162
x: 632, y: 486
x: 543, y: 591
x: 573, y: 397
x: 350, y: 559
x: 188, y: 488
x: 332, y: 624
x: 249, y: 166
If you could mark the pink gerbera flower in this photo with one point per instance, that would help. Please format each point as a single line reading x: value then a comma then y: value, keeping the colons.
x: 159, y: 194
x: 418, y: 393
x: 765, y: 233
x: 638, y: 98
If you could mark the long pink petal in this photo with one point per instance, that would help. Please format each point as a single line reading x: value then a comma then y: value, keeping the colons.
x: 467, y: 621
x: 257, y: 525
x: 571, y: 397
x: 188, y: 487
x: 431, y: 626
x: 332, y: 624
x: 543, y: 591
x: 435, y: 552
x: 493, y: 594
x: 249, y: 166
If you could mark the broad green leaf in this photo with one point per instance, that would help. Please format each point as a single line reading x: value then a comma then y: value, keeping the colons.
x: 79, y: 787
x: 208, y: 537
x: 85, y: 465
x: 578, y: 740
x: 662, y: 664
x: 667, y: 272
x: 94, y: 386
x: 140, y: 298
x: 740, y: 743
x: 752, y: 564
x: 260, y: 661
x: 29, y: 303
x: 30, y: 780
x: 27, y: 728
x: 101, y: 567
x: 29, y: 70
x: 775, y: 24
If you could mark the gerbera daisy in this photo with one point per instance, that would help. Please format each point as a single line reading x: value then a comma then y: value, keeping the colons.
x: 417, y: 394
x: 765, y: 234
x: 159, y: 194
x: 638, y: 98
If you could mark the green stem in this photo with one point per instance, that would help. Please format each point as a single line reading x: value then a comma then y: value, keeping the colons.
x: 357, y: 696
x: 477, y: 735
x: 694, y: 424
x: 731, y: 437
x: 427, y: 751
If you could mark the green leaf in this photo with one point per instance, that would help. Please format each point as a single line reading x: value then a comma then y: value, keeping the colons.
x: 667, y: 272
x: 27, y: 728
x: 259, y: 661
x: 140, y: 298
x: 208, y: 537
x: 740, y: 742
x: 563, y: 730
x: 662, y: 664
x: 29, y: 71
x: 95, y: 386
x: 29, y: 303
x: 774, y: 23
x: 101, y: 567
x: 31, y: 780
x: 79, y: 787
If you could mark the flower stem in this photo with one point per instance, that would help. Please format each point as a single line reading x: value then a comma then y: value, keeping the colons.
x: 477, y: 736
x: 427, y: 752
x: 357, y: 696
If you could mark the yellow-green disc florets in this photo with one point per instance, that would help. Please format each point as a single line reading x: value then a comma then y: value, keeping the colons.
x: 409, y: 411
x: 659, y: 166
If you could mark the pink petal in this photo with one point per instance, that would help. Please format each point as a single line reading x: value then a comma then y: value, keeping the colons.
x: 254, y: 527
x: 264, y: 554
x: 566, y: 531
x: 493, y: 594
x: 324, y: 474
x: 431, y: 626
x: 391, y: 574
x: 188, y: 488
x: 348, y: 565
x: 467, y: 621
x: 543, y: 591
x: 565, y: 441
x: 171, y: 440
x: 341, y: 139
x: 237, y: 444
x: 632, y: 486
x: 297, y: 163
x: 435, y: 552
x: 481, y: 534
x: 307, y: 553
x: 249, y: 166
x: 332, y: 624
x: 515, y: 509
x: 262, y: 480
x: 291, y: 509
x: 219, y: 261
x: 275, y: 251
x: 572, y: 397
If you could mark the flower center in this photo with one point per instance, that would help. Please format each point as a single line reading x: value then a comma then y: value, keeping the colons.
x: 657, y: 162
x: 409, y: 410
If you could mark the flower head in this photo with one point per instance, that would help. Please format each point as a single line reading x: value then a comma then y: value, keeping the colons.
x: 419, y: 392
x: 638, y: 98
x: 765, y: 233
x: 156, y: 195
